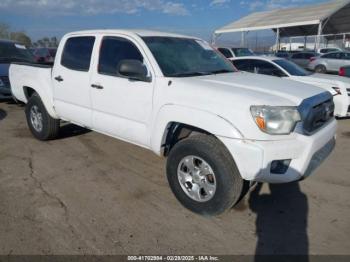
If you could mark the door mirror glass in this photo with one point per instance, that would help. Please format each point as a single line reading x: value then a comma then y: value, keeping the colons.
x: 133, y: 69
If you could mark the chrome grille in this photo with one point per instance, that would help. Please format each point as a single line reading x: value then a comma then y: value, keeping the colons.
x: 316, y: 111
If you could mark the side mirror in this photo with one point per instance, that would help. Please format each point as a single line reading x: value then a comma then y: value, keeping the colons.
x: 133, y: 69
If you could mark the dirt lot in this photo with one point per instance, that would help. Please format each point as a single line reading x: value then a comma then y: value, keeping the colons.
x: 87, y: 193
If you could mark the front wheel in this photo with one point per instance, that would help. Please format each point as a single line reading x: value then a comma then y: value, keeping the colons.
x: 40, y: 123
x: 320, y: 69
x: 203, y: 176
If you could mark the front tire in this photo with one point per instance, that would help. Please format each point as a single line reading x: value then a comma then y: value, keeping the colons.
x: 320, y: 69
x: 203, y: 175
x: 40, y: 123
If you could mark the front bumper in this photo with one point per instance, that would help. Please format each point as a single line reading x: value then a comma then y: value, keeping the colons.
x: 253, y: 158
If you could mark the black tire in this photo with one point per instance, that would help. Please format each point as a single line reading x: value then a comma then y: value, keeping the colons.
x: 320, y: 69
x: 229, y: 184
x: 50, y: 126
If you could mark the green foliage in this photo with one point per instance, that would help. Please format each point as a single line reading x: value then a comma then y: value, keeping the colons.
x: 47, y: 42
x: 23, y: 38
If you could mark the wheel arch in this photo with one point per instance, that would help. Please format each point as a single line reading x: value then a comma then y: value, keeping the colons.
x: 47, y: 101
x: 174, y: 123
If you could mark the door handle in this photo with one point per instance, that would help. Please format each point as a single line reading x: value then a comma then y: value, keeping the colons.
x: 97, y: 86
x: 59, y: 78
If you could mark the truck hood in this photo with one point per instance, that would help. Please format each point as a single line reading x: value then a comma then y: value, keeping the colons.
x: 4, y: 69
x: 267, y: 90
x: 231, y: 96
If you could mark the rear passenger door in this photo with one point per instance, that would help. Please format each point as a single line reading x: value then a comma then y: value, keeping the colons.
x: 121, y: 107
x: 71, y: 80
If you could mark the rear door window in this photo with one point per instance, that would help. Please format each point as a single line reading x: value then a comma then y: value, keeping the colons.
x: 77, y: 53
x: 225, y: 52
x: 244, y: 65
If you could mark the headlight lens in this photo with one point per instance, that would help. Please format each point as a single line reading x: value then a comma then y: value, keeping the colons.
x: 275, y: 120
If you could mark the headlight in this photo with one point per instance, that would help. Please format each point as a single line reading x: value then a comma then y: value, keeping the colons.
x: 275, y: 120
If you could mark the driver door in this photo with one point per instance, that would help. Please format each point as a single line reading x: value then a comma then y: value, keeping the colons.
x: 121, y: 107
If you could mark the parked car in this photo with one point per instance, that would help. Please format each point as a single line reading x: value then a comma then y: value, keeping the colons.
x: 282, y: 54
x: 330, y: 62
x: 280, y: 67
x: 230, y: 52
x: 10, y: 52
x: 329, y: 50
x: 44, y: 55
x: 344, y: 71
x: 302, y: 58
x: 176, y: 96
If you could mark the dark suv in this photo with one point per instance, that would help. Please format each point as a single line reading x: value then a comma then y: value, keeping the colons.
x: 11, y: 52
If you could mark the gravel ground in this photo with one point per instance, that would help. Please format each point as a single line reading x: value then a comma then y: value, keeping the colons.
x: 86, y: 193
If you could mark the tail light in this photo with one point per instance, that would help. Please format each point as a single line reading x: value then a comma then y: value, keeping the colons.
x: 312, y: 59
x: 342, y: 71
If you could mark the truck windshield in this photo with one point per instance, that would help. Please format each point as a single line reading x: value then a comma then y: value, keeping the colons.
x: 292, y: 68
x: 11, y: 52
x: 182, y: 57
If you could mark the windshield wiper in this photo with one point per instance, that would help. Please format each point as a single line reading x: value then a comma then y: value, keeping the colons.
x: 222, y: 71
x: 188, y: 74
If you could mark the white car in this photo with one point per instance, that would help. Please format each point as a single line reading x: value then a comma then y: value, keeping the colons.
x: 179, y: 98
x: 283, y: 68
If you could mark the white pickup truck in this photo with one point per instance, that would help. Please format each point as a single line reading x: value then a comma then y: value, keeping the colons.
x: 178, y: 97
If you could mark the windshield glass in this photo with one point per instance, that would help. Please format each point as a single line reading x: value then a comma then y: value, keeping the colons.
x: 291, y: 68
x: 180, y: 57
x: 242, y: 52
x: 11, y: 52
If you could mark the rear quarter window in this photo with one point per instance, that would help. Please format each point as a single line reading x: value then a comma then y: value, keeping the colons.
x: 77, y: 53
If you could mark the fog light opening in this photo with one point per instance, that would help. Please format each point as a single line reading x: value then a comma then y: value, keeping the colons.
x: 280, y: 167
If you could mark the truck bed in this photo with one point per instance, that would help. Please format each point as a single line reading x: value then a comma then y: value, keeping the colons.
x: 36, y: 76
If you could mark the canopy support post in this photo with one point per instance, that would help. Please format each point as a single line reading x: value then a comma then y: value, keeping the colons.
x: 242, y: 39
x: 277, y: 39
x: 318, y: 38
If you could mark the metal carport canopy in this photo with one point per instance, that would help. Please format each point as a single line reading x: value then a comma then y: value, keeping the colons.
x: 296, y: 21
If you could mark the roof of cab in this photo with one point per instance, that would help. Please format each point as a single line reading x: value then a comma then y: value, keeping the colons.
x: 139, y: 32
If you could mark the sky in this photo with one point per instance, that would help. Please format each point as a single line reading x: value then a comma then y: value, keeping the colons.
x: 40, y: 18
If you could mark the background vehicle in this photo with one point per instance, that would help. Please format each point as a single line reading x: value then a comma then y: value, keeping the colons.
x: 230, y: 52
x: 282, y: 54
x: 344, y: 71
x: 178, y: 97
x: 329, y: 50
x: 44, y: 55
x: 302, y: 58
x: 275, y: 66
x: 330, y: 62
x: 10, y: 52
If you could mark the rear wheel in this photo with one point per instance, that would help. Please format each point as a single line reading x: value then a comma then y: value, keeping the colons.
x: 320, y: 69
x: 203, y: 175
x: 40, y: 123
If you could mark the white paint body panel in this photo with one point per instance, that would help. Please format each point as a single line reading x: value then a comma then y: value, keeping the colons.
x: 140, y: 112
x: 324, y: 81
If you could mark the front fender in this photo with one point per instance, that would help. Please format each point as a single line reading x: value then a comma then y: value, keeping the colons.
x: 204, y: 120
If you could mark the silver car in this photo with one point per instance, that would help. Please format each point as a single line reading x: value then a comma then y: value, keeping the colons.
x: 303, y: 58
x: 330, y: 62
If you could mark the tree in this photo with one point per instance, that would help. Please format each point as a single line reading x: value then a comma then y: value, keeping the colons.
x: 4, y: 31
x: 21, y: 37
x: 47, y: 42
